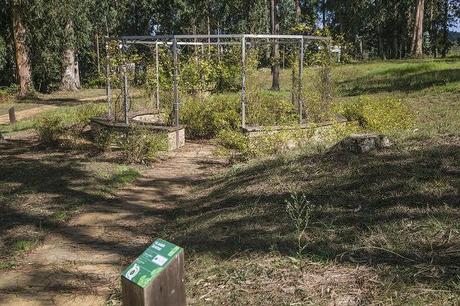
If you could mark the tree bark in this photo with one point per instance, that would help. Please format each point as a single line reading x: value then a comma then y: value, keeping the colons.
x: 445, y: 29
x: 275, y: 55
x: 417, y: 38
x: 71, y: 78
x: 21, y: 53
x: 298, y: 11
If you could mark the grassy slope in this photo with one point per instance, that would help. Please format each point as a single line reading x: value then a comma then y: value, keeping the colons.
x: 384, y: 227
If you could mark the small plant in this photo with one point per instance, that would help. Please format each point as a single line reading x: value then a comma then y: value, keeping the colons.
x: 104, y: 140
x: 299, y: 210
x: 233, y: 143
x: 49, y: 129
x: 141, y: 145
x: 379, y: 115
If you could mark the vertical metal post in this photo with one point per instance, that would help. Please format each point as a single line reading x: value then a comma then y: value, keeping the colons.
x: 157, y: 75
x: 108, y: 88
x: 243, y: 86
x: 125, y: 84
x: 300, y: 80
x: 176, y: 89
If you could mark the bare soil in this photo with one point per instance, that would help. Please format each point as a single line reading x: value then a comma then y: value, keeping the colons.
x: 79, y: 261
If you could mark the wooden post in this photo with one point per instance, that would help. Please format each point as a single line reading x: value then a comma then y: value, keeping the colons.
x: 156, y: 277
x: 12, y: 115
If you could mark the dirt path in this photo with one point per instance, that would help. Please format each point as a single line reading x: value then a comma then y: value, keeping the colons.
x: 79, y: 264
x: 27, y: 113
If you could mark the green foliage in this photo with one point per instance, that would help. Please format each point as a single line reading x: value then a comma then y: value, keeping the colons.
x: 7, y: 95
x: 140, y: 145
x: 205, y: 118
x: 233, y: 144
x: 49, y: 129
x: 379, y: 114
x: 67, y: 121
x: 104, y: 139
x: 270, y: 108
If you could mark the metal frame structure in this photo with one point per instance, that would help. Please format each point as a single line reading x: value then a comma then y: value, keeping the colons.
x: 175, y: 41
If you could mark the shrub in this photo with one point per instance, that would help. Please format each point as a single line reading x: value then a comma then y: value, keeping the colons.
x: 7, y: 94
x: 234, y: 144
x: 49, y: 129
x: 206, y: 118
x: 379, y: 115
x: 140, y: 145
x: 80, y: 116
x: 270, y: 108
x: 104, y: 139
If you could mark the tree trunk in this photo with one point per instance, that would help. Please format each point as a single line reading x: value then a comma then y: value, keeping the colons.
x: 324, y: 14
x: 22, y: 53
x: 445, y: 29
x: 417, y: 38
x: 298, y: 11
x: 275, y: 56
x: 71, y: 78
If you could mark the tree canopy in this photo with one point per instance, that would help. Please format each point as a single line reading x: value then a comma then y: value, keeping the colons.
x: 362, y: 27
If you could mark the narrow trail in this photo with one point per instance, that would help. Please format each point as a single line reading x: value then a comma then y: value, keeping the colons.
x: 27, y: 113
x: 80, y: 262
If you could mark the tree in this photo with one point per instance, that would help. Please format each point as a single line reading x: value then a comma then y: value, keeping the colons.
x: 24, y: 71
x: 298, y: 11
x: 417, y: 38
x: 275, y: 53
x: 71, y: 76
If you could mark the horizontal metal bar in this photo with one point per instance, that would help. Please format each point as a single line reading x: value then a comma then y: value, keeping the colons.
x: 182, y: 43
x: 216, y: 36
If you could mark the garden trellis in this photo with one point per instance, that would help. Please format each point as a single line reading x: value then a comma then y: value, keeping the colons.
x: 175, y: 42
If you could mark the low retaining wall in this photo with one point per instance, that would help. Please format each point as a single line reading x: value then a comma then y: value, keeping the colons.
x: 295, y: 136
x: 175, y: 135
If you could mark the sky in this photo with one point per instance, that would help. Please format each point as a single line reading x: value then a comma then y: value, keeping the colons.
x: 456, y: 26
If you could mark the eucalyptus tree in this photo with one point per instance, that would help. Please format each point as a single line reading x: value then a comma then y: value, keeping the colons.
x: 20, y: 33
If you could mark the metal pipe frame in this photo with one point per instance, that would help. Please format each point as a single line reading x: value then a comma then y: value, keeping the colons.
x: 222, y: 39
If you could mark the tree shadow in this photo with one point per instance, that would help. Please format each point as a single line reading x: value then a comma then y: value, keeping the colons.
x: 406, y: 80
x: 390, y: 208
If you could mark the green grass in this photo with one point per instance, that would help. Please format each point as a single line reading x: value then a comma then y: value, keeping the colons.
x: 384, y: 227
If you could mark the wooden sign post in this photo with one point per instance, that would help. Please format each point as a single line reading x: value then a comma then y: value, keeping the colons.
x: 156, y: 277
x: 12, y: 115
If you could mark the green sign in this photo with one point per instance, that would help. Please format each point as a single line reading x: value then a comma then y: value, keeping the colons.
x: 151, y: 263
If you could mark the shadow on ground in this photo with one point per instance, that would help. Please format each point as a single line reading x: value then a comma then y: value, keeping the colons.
x: 398, y: 208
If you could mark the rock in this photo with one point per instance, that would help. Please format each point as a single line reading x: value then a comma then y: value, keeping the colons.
x: 362, y: 143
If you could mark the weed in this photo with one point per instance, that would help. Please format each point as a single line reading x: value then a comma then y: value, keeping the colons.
x: 299, y: 210
x: 23, y: 245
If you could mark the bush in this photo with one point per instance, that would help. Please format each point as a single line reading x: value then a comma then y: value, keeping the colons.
x: 234, y: 144
x: 141, y: 145
x: 67, y: 121
x: 49, y: 129
x: 379, y: 115
x: 83, y: 114
x: 104, y: 139
x: 270, y: 108
x: 8, y: 94
x: 206, y: 118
